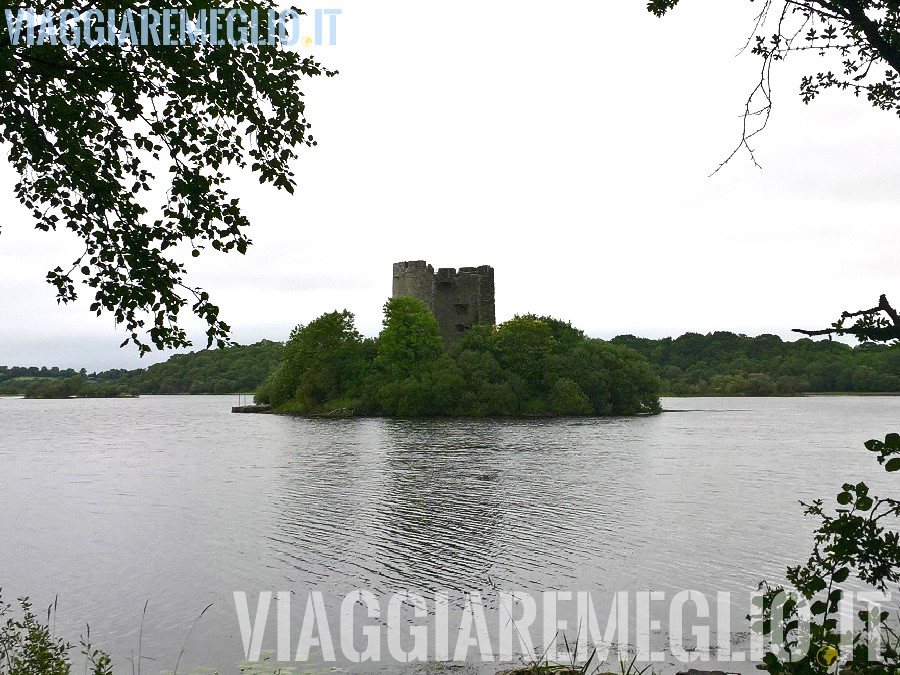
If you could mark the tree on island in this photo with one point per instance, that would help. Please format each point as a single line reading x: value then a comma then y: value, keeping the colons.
x: 83, y: 123
x: 861, y: 38
x: 528, y: 365
x: 410, y: 339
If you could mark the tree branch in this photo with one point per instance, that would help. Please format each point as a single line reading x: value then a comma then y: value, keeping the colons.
x: 869, y: 325
x: 857, y: 16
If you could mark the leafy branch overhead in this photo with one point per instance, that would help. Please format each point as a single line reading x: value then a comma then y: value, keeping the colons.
x: 878, y: 324
x: 861, y: 39
x: 85, y: 126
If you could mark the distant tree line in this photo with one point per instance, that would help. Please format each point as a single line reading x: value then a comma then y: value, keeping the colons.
x: 528, y: 365
x: 211, y: 371
x: 726, y: 364
x: 233, y: 369
x: 513, y: 370
x: 45, y: 382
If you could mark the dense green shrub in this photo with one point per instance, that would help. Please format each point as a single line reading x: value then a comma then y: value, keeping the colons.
x: 566, y: 398
x: 27, y: 647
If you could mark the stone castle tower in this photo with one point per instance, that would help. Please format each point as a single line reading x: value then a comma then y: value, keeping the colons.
x: 458, y: 299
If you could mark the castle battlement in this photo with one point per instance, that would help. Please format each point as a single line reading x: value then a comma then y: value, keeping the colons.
x: 458, y: 299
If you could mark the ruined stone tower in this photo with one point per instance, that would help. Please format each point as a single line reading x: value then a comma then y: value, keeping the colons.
x: 458, y: 299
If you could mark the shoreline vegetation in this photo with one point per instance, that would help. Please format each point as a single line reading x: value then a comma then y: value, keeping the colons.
x: 715, y: 364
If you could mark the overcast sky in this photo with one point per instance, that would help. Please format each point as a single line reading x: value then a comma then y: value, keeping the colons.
x: 569, y: 145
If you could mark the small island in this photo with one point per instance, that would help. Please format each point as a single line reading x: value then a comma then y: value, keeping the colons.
x: 526, y: 366
x: 440, y: 355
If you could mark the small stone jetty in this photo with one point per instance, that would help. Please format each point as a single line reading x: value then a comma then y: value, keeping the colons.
x: 255, y: 408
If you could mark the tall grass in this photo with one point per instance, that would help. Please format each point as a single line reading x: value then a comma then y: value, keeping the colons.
x: 542, y: 666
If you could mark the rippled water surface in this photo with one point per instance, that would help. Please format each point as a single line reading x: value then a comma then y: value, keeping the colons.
x: 177, y: 502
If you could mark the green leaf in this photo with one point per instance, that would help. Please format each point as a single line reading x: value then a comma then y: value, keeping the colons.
x: 817, y: 584
x: 893, y: 464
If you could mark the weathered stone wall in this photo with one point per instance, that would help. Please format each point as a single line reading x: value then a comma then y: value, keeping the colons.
x: 486, y: 295
x: 414, y: 279
x: 459, y: 300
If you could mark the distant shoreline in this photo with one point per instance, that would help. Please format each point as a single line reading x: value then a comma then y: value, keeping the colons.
x: 679, y: 396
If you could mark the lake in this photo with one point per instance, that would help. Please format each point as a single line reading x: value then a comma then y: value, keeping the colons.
x: 175, y: 502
